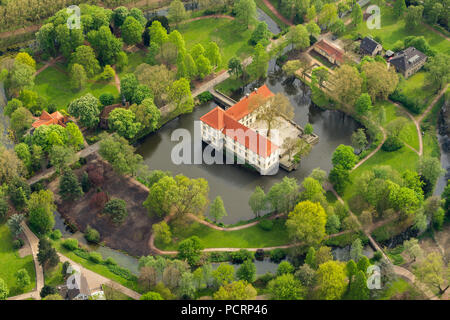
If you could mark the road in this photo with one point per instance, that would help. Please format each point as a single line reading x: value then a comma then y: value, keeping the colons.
x: 94, y: 280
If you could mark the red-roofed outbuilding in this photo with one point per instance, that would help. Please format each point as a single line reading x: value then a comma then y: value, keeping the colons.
x: 49, y: 119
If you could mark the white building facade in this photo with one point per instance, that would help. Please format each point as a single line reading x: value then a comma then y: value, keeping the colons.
x: 228, y: 131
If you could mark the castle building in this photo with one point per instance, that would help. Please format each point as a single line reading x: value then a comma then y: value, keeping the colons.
x: 230, y: 130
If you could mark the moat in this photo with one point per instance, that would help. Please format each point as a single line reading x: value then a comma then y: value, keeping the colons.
x: 235, y: 184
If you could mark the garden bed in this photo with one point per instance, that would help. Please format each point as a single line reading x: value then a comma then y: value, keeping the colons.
x: 133, y: 235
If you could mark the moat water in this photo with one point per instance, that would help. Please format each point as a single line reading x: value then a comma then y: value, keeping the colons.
x: 234, y: 183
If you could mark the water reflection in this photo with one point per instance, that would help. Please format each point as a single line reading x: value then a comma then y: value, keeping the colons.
x: 235, y: 184
x: 124, y: 260
x: 262, y: 267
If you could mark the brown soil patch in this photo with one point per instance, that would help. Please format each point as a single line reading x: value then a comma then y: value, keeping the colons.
x: 132, y: 236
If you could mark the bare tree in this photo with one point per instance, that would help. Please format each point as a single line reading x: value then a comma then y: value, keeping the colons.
x: 270, y: 110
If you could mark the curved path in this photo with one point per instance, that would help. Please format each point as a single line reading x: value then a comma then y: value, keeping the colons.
x: 48, y: 64
x: 94, y: 279
x: 287, y: 246
x: 244, y: 226
x: 370, y: 155
x: 416, y: 124
x: 432, y: 103
x: 48, y: 172
x: 275, y: 12
x: 33, y: 242
x: 400, y: 271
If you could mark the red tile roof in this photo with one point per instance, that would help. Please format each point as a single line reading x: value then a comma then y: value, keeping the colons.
x: 227, y: 122
x: 48, y: 119
x: 331, y: 50
x: 241, y: 109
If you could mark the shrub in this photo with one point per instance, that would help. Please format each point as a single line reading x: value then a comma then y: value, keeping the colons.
x: 285, y: 267
x: 259, y: 254
x: 106, y: 99
x: 116, y: 208
x: 92, y: 235
x: 205, y: 97
x: 82, y: 253
x: 64, y: 268
x: 110, y: 261
x: 277, y: 255
x: 409, y: 103
x: 266, y: 224
x: 219, y: 256
x: 392, y: 143
x: 56, y: 234
x: 98, y: 200
x: 241, y: 256
x: 122, y: 272
x: 265, y: 278
x: 70, y: 244
x: 95, y: 257
x: 17, y: 244
x: 47, y: 290
x: 377, y: 256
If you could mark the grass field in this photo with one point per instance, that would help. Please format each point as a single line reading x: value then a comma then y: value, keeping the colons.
x: 253, y: 237
x: 231, y: 38
x: 134, y: 59
x: 54, y: 85
x: 409, y: 132
x: 398, y: 287
x: 230, y: 85
x: 10, y: 263
x: 113, y: 294
x: 393, y: 29
x: 416, y: 88
x: 97, y: 268
x: 399, y: 160
x: 54, y: 277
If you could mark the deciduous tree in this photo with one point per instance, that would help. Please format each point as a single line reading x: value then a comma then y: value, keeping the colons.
x: 331, y: 280
x: 238, y: 290
x: 132, y: 31
x: 86, y: 109
x: 286, y: 287
x: 245, y: 12
x: 217, y: 210
x: 306, y: 223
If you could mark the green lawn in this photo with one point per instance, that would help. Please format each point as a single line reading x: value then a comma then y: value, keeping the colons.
x: 97, y: 268
x: 134, y: 59
x: 10, y: 263
x: 231, y: 38
x: 54, y: 277
x: 399, y: 160
x: 253, y: 237
x: 113, y: 294
x: 393, y: 29
x: 398, y: 287
x: 415, y: 87
x: 230, y: 85
x: 409, y: 132
x: 54, y: 85
x: 428, y: 125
